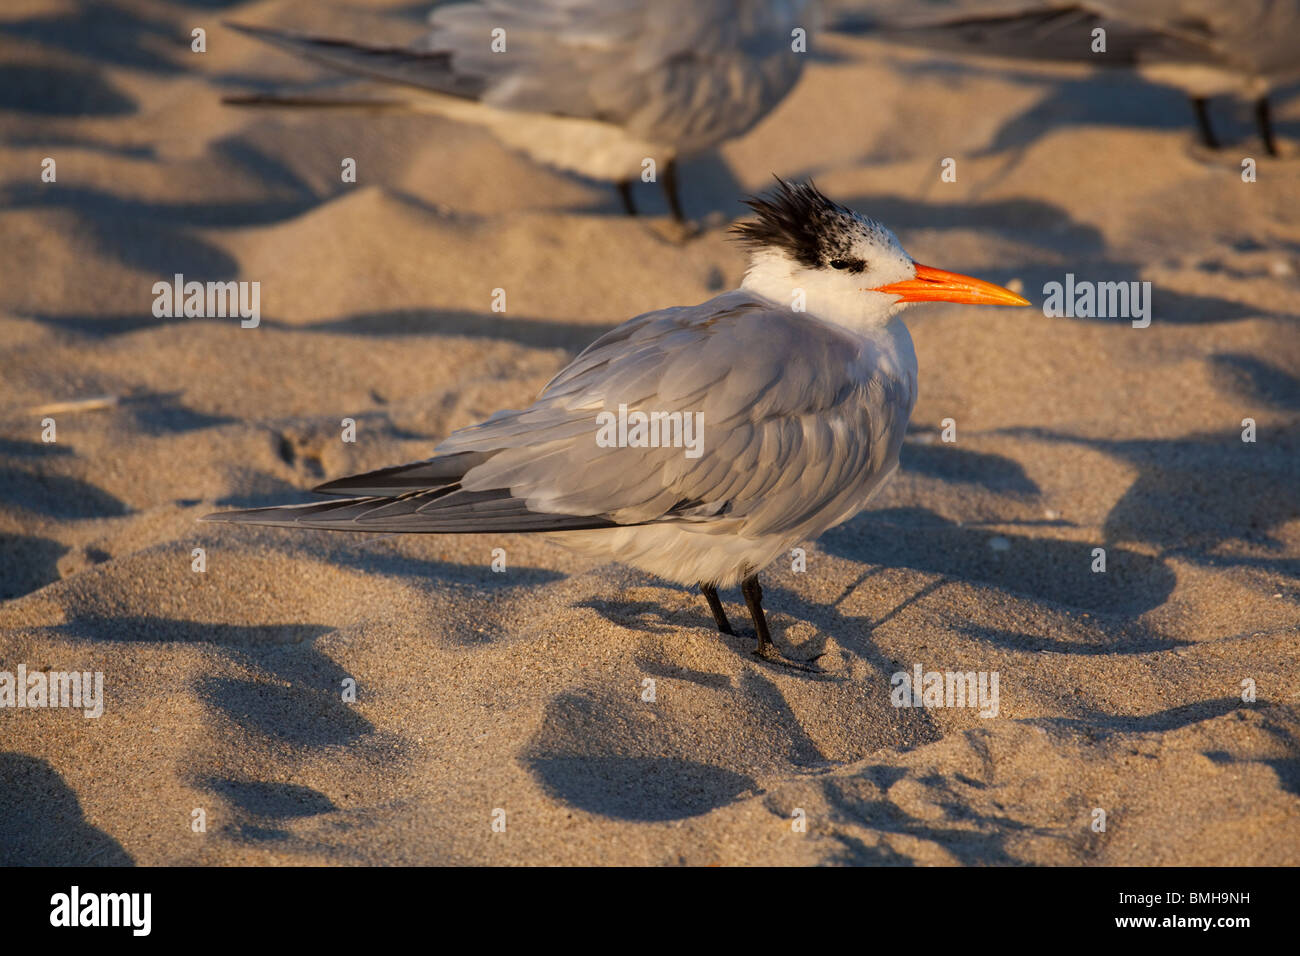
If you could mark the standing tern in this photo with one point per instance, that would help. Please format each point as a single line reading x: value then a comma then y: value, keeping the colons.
x: 595, y: 87
x: 800, y: 415
x: 1203, y: 47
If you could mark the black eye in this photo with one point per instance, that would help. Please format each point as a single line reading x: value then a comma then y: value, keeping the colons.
x: 853, y: 265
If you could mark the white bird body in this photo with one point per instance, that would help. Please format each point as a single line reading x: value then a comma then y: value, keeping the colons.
x: 879, y: 374
x: 1203, y: 80
x: 802, y: 382
x: 590, y: 148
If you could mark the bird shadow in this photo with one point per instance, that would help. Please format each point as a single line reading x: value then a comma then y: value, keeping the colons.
x: 105, y: 33
x: 947, y: 462
x: 707, y: 186
x: 57, y: 496
x: 576, y: 759
x: 160, y: 413
x: 27, y: 563
x: 392, y: 323
x: 156, y: 236
x: 477, y: 576
x: 789, y: 660
x: 261, y: 489
x: 1098, y: 100
x: 259, y: 809
x: 531, y: 331
x: 298, y: 697
x: 63, y: 91
x: 1195, y: 494
x: 917, y: 538
x: 165, y: 216
x: 1102, y: 99
x: 1098, y: 722
x: 42, y: 822
x: 599, y: 753
x: 863, y: 800
x: 17, y: 448
x: 643, y: 789
x: 151, y: 237
x: 1254, y: 380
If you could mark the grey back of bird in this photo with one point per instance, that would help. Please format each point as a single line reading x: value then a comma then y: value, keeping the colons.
x: 1259, y: 39
x: 690, y: 73
x: 801, y: 421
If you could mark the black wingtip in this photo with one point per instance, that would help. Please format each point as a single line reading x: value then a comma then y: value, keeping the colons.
x: 333, y: 487
x: 248, y: 29
x: 254, y: 30
x: 226, y: 517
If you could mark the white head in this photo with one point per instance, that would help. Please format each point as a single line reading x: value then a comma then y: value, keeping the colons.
x: 845, y: 267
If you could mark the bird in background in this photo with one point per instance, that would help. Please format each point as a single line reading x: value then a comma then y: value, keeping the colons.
x: 594, y: 87
x: 802, y: 412
x: 1205, y: 48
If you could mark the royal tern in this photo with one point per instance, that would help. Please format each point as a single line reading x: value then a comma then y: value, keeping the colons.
x: 799, y: 386
x: 596, y: 87
x: 1203, y: 47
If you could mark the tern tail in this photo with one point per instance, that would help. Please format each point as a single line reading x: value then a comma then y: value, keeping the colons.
x: 447, y: 511
x: 420, y: 498
x: 425, y: 69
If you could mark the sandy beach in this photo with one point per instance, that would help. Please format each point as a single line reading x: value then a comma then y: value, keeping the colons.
x: 593, y: 708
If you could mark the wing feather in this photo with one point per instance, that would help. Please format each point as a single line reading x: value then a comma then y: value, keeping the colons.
x: 799, y: 425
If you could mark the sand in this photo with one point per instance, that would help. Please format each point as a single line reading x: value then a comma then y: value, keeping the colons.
x: 521, y: 696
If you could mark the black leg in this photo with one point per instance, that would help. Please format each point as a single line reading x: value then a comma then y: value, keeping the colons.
x: 1264, y: 118
x: 1202, y: 107
x: 719, y: 615
x: 754, y: 599
x: 670, y: 190
x: 624, y: 187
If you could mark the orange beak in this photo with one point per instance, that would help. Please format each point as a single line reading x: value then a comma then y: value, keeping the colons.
x: 936, y: 285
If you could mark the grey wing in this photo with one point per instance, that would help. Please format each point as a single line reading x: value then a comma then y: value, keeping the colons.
x: 423, y: 69
x: 1254, y: 36
x: 794, y: 424
x: 422, y: 497
x: 1051, y: 30
x: 795, y: 431
x: 685, y: 72
x: 668, y: 71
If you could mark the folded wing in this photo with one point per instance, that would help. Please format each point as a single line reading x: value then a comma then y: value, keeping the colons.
x: 794, y: 427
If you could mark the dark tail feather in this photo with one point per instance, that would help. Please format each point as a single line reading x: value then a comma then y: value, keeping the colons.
x: 1050, y: 33
x: 301, y: 100
x: 428, y: 475
x: 427, y: 70
x: 450, y: 510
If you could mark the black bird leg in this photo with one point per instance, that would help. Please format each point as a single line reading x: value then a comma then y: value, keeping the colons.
x: 754, y: 599
x: 1264, y: 118
x: 1202, y: 107
x: 719, y: 615
x: 624, y: 187
x: 670, y: 191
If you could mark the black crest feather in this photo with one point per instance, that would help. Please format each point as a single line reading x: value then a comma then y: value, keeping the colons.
x: 799, y: 219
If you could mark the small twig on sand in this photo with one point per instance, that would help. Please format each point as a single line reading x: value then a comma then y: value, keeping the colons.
x: 75, y: 405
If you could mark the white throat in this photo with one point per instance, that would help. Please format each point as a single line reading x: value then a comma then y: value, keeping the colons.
x: 832, y: 295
